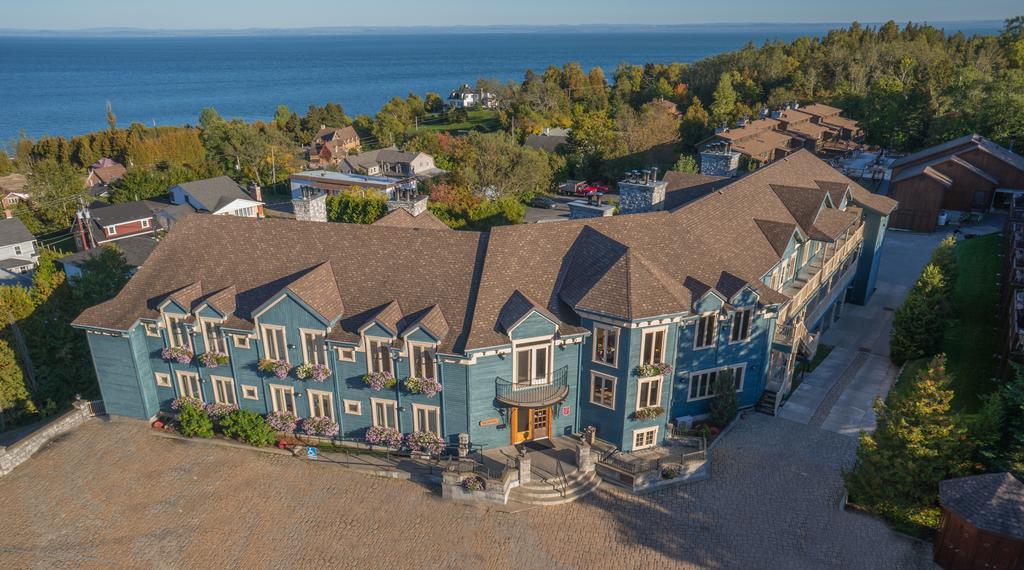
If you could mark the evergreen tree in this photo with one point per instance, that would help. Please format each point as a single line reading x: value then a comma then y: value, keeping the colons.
x: 919, y: 323
x: 724, y: 404
x: 694, y: 126
x: 14, y: 396
x: 686, y: 163
x: 723, y: 106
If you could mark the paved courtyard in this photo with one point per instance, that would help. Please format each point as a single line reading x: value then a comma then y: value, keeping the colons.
x: 112, y: 494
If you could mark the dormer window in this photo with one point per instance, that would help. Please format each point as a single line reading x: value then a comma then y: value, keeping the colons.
x: 111, y: 230
x: 213, y: 337
x: 740, y: 325
x: 422, y: 360
x: 378, y: 355
x: 707, y: 329
x: 314, y: 349
x: 177, y: 332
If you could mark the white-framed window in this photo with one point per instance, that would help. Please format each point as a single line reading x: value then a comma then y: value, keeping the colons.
x: 707, y: 330
x: 421, y: 359
x: 648, y: 392
x: 602, y: 390
x: 275, y: 342
x: 162, y: 379
x: 652, y: 346
x: 151, y: 329
x: 321, y: 404
x: 378, y: 354
x: 111, y: 230
x: 645, y: 438
x: 345, y: 353
x: 145, y: 223
x: 385, y: 412
x: 223, y: 389
x: 213, y: 337
x: 314, y: 348
x: 740, y: 330
x: 606, y: 345
x: 190, y: 385
x: 702, y: 383
x: 241, y: 341
x: 17, y: 250
x: 791, y: 266
x: 177, y: 331
x: 426, y: 418
x: 250, y: 392
x: 353, y: 407
x: 531, y: 363
x: 282, y: 398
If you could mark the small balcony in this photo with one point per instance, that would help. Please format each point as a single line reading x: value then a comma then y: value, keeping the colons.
x: 818, y: 272
x: 533, y: 395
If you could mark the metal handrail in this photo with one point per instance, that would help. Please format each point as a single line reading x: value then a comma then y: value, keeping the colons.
x: 641, y: 466
x: 561, y: 477
x: 533, y: 394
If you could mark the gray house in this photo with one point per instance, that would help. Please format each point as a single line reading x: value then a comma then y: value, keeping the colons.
x: 18, y: 255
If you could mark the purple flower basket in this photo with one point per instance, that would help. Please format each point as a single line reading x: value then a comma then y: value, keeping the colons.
x: 424, y: 442
x: 386, y: 436
x: 314, y: 372
x: 323, y: 427
x: 213, y: 359
x: 178, y: 354
x: 278, y: 368
x: 426, y: 386
x: 380, y: 380
x: 282, y: 421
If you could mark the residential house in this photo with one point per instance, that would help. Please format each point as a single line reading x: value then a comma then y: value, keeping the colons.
x: 18, y: 253
x: 12, y: 190
x: 465, y: 97
x: 330, y: 182
x: 392, y: 163
x: 220, y: 196
x: 101, y: 174
x: 845, y: 129
x: 960, y: 176
x: 533, y: 331
x: 102, y: 223
x: 549, y: 139
x: 331, y: 144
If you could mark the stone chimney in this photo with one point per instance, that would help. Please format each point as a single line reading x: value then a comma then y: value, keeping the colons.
x: 257, y: 194
x: 719, y: 160
x: 310, y: 205
x: 407, y: 197
x: 641, y: 191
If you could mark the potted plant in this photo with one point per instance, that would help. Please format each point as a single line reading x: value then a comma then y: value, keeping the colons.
x: 386, y: 436
x: 649, y: 413
x: 278, y: 368
x: 178, y: 354
x: 213, y: 359
x: 649, y: 370
x: 473, y: 484
x: 315, y: 372
x: 380, y: 380
x: 427, y: 386
x: 669, y: 472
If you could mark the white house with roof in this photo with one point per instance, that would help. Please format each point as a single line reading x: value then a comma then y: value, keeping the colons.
x: 218, y: 196
x: 18, y: 254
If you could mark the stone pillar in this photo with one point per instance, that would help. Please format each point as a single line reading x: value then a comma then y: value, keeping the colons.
x: 463, y: 445
x: 449, y: 483
x: 719, y: 162
x: 637, y: 196
x: 585, y: 458
x: 310, y: 206
x: 523, y: 462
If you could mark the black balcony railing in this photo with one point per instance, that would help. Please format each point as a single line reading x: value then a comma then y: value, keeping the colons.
x: 533, y: 395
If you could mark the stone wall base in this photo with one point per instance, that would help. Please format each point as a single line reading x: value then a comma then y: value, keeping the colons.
x: 14, y: 455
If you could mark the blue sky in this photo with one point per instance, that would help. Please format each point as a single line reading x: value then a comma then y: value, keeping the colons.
x: 206, y: 14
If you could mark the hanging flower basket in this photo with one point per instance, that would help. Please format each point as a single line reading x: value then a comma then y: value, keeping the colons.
x: 426, y: 442
x: 320, y: 426
x: 178, y: 403
x: 380, y: 380
x: 649, y: 370
x: 213, y: 359
x: 426, y: 386
x: 649, y: 413
x: 278, y: 368
x: 178, y: 354
x: 314, y: 372
x: 389, y: 437
x: 282, y: 421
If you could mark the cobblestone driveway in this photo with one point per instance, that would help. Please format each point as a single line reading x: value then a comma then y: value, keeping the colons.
x: 110, y: 494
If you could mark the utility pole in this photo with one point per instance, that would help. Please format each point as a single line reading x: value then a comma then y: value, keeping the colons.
x: 81, y: 231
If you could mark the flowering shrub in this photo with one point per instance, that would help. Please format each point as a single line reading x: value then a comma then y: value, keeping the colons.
x: 282, y: 421
x: 424, y: 442
x: 426, y: 386
x: 386, y: 436
x: 649, y: 413
x: 669, y: 472
x: 473, y: 484
x: 648, y: 370
x: 193, y: 421
x: 178, y: 403
x: 218, y: 411
x: 213, y: 359
x: 179, y: 354
x: 325, y: 427
x: 315, y: 372
x: 278, y: 368
x: 380, y: 380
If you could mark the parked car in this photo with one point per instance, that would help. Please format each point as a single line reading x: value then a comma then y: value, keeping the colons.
x: 598, y: 186
x: 543, y: 202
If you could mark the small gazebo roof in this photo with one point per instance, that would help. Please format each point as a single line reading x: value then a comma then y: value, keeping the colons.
x: 992, y: 502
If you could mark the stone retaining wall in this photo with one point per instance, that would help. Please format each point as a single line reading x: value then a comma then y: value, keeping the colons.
x: 14, y: 455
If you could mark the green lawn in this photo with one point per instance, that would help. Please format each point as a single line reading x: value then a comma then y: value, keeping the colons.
x: 482, y: 119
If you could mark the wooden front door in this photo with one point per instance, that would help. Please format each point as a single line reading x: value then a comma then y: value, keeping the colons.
x: 530, y: 423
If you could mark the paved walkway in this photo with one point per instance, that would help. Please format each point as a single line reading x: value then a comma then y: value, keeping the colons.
x: 114, y: 495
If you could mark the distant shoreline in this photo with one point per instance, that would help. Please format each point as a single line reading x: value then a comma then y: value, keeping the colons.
x: 710, y: 27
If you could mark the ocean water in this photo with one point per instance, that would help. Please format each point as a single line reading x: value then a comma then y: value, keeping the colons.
x: 60, y: 85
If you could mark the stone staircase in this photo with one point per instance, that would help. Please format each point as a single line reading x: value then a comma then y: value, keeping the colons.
x: 545, y: 490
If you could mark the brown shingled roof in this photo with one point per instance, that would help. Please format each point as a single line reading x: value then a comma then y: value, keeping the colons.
x: 402, y: 218
x: 993, y: 502
x: 431, y: 319
x: 778, y: 234
x: 318, y: 288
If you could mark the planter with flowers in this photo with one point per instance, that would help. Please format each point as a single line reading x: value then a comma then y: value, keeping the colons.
x: 282, y: 421
x: 426, y: 386
x: 473, y: 484
x: 213, y: 359
x: 388, y: 437
x: 314, y: 372
x: 424, y: 443
x: 217, y: 412
x: 650, y: 370
x: 380, y: 380
x: 179, y: 403
x: 320, y: 426
x: 649, y: 413
x: 278, y: 368
x: 178, y: 354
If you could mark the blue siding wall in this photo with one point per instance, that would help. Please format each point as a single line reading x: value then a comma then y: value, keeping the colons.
x: 870, y: 258
x: 609, y: 422
x: 532, y: 326
x: 114, y: 360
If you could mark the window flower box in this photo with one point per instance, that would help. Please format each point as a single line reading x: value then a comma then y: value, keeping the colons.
x: 427, y: 386
x: 218, y: 411
x: 388, y: 437
x: 314, y: 372
x: 649, y: 370
x: 178, y: 403
x: 380, y: 380
x: 320, y: 426
x: 213, y: 359
x: 282, y: 421
x: 178, y: 354
x: 649, y: 413
x: 278, y: 368
x: 425, y: 442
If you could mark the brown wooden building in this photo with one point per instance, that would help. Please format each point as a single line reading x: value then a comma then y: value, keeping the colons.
x: 968, y: 174
x: 982, y: 523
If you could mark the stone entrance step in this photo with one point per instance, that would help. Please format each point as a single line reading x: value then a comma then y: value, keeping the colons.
x: 578, y: 485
